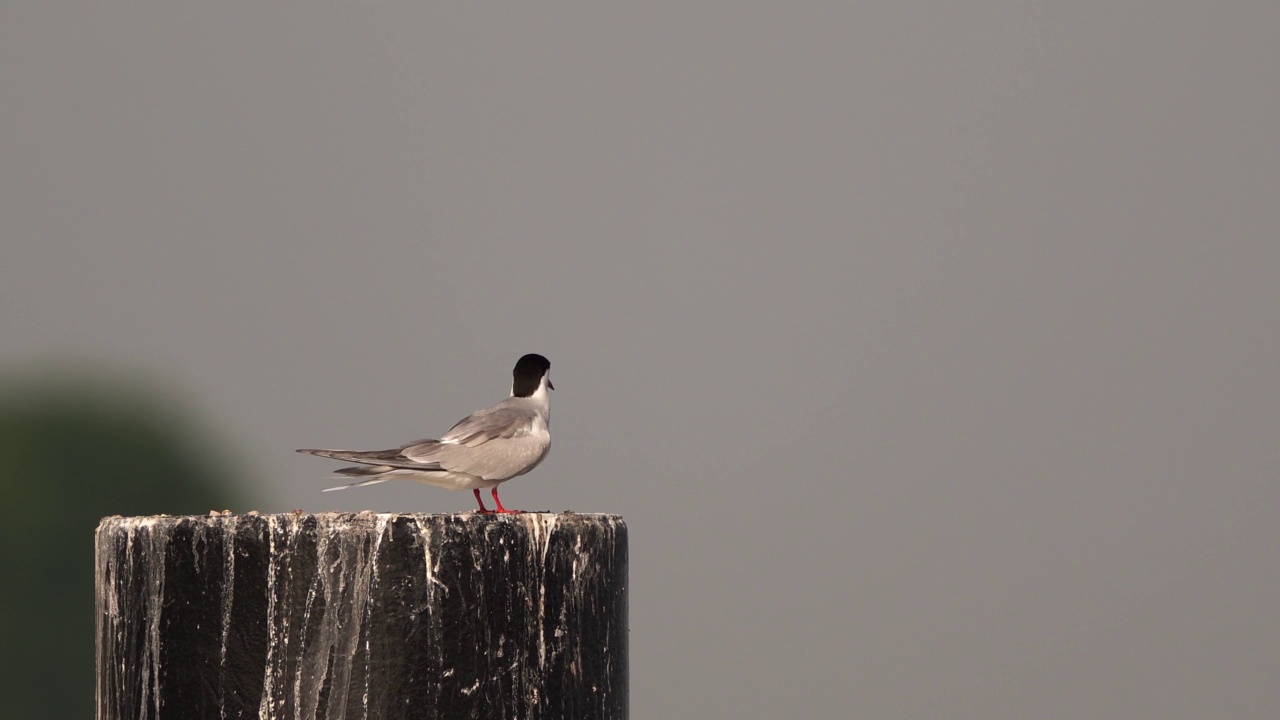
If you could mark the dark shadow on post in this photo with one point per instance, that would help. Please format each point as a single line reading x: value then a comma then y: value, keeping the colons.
x: 364, y: 615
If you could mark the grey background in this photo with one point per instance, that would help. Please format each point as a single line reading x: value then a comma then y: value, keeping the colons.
x: 929, y: 349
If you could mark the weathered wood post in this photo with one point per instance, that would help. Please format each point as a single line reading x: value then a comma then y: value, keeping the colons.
x: 343, y: 616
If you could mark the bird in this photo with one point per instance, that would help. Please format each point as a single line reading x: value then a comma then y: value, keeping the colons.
x: 481, y: 451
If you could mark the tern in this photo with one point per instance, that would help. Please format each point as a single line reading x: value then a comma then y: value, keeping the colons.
x: 483, y: 450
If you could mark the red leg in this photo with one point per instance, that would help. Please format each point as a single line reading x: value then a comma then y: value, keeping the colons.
x: 499, y: 502
x: 483, y: 509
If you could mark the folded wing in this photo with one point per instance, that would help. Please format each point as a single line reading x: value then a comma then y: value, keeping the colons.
x: 496, y: 444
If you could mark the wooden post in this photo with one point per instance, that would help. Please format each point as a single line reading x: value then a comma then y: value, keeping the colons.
x: 344, y: 616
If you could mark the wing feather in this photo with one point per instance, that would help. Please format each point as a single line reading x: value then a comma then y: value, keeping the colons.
x: 390, y: 458
x: 521, y: 439
x: 497, y: 423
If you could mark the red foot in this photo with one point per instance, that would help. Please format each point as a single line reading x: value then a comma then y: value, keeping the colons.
x: 483, y: 509
x: 499, y: 503
x: 486, y: 511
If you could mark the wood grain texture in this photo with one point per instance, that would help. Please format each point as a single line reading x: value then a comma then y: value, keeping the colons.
x: 336, y: 615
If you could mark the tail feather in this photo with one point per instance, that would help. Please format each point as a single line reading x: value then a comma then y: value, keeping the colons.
x: 383, y: 465
x: 362, y: 470
x: 359, y: 483
x: 348, y: 455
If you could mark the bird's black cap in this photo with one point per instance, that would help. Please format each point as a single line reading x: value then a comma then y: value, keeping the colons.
x: 528, y: 374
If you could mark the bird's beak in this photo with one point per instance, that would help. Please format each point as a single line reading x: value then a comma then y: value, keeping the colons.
x: 550, y: 384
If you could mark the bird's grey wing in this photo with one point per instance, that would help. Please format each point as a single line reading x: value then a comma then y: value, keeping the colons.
x: 496, y: 423
x: 498, y: 443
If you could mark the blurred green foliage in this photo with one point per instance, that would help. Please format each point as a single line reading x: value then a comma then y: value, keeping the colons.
x: 72, y: 450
